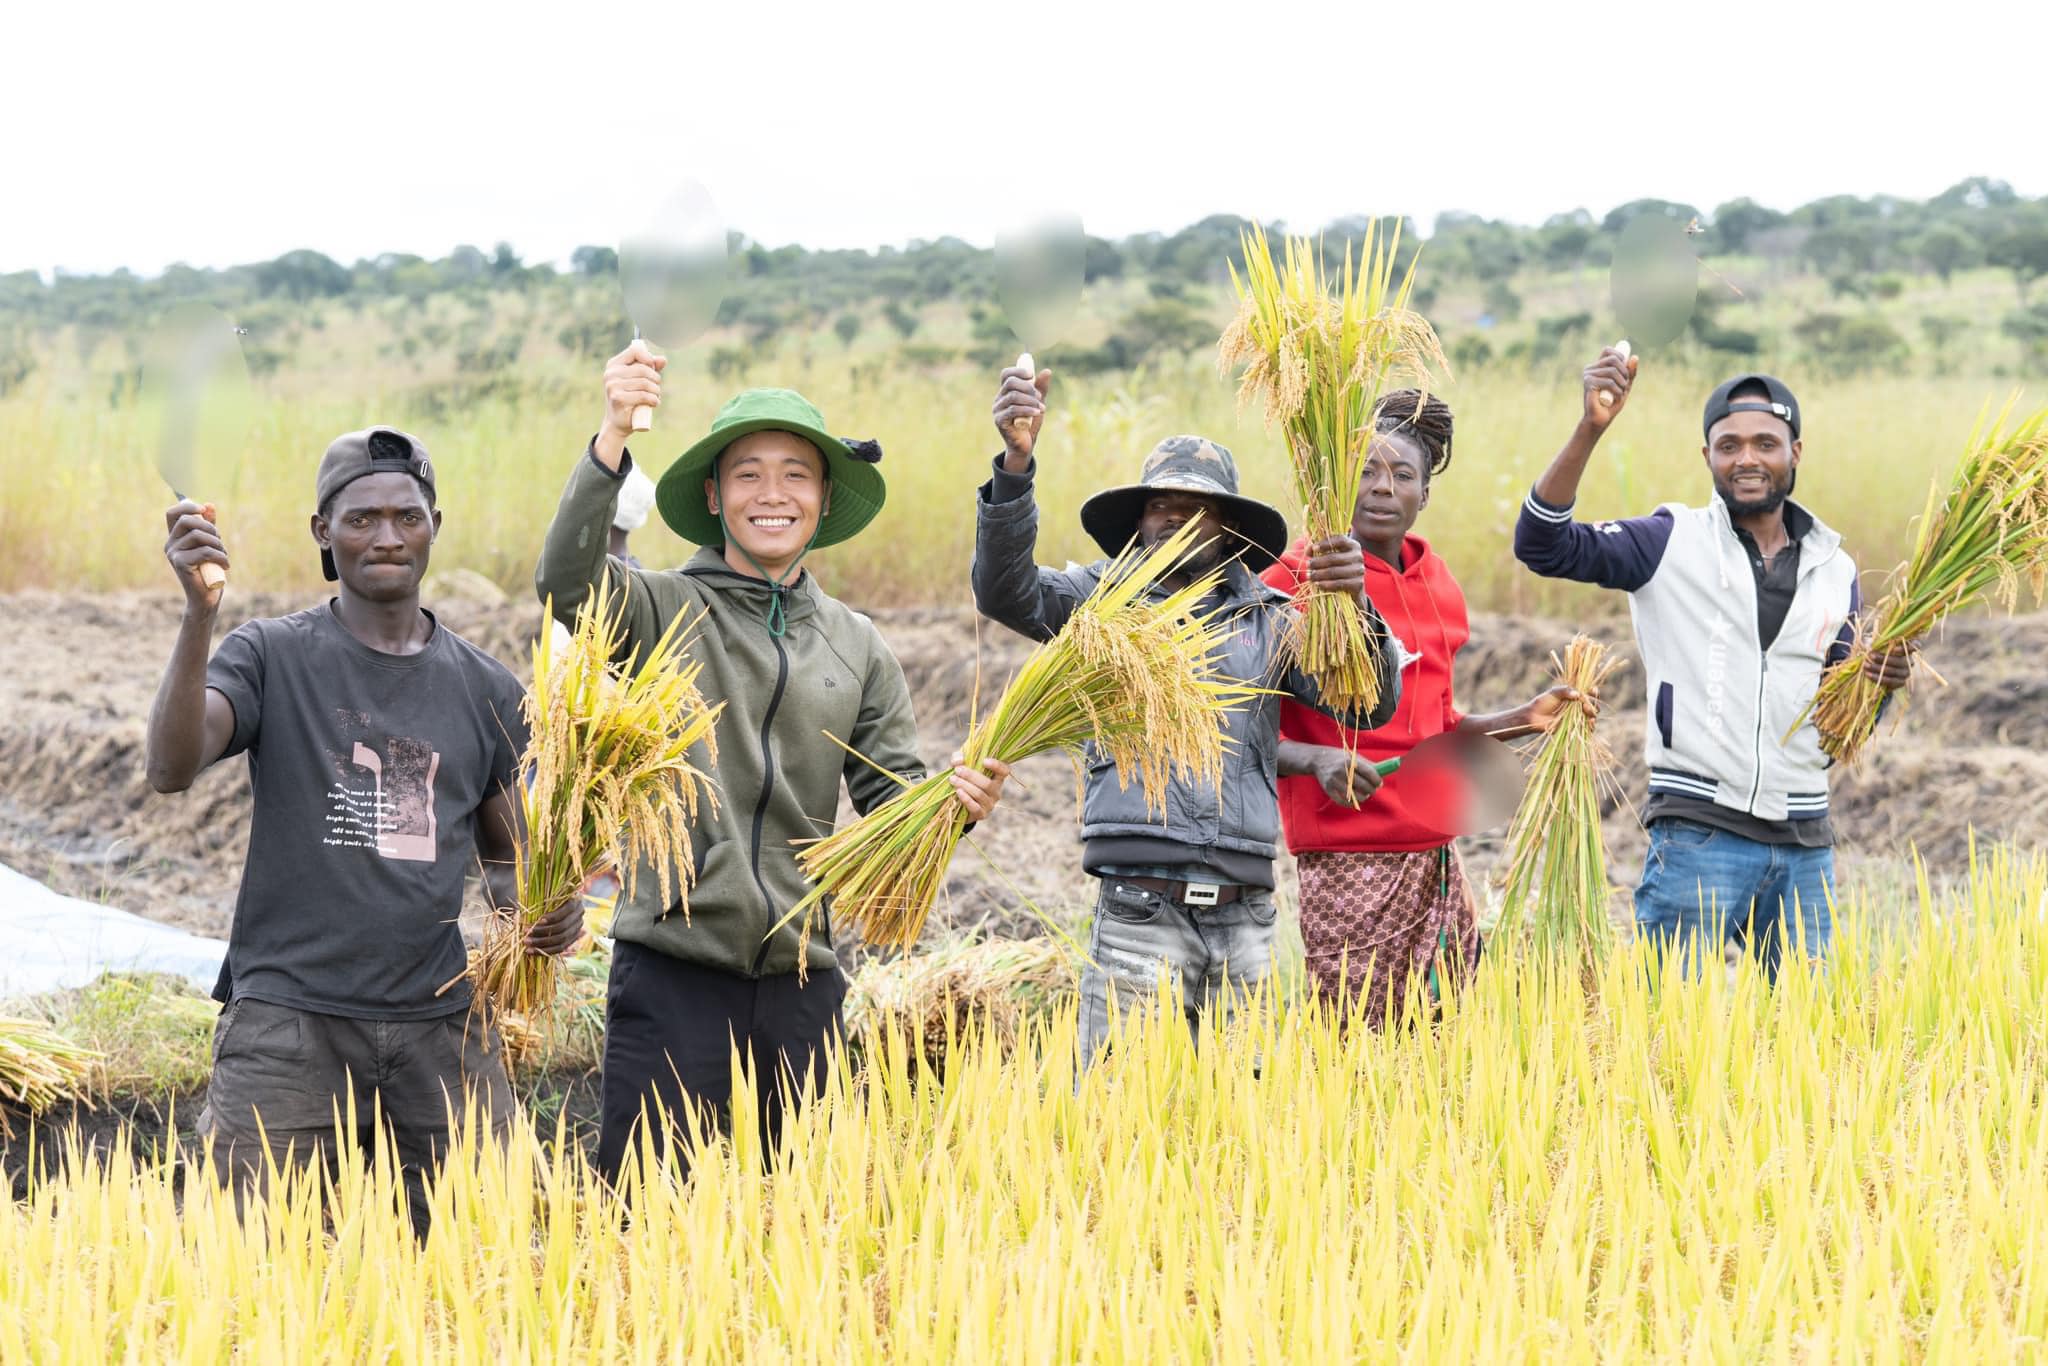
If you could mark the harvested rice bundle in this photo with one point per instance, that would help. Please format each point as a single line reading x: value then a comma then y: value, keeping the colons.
x: 39, y: 1066
x: 1975, y: 545
x: 1319, y: 351
x: 1555, y: 896
x: 609, y: 773
x: 939, y: 998
x: 1131, y: 671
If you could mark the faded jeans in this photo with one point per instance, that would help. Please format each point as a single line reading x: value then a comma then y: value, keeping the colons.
x: 1215, y: 955
x: 1700, y: 885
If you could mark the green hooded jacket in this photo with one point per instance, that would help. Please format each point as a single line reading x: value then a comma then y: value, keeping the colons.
x: 829, y: 674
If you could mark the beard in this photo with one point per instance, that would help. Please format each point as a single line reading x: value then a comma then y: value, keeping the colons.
x: 1767, y: 502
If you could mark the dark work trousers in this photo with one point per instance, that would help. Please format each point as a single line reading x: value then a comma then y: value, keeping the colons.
x: 671, y: 1030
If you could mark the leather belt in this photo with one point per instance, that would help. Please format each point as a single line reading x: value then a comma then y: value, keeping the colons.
x: 1204, y: 893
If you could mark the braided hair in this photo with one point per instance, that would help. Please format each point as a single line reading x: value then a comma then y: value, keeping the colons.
x: 1423, y: 418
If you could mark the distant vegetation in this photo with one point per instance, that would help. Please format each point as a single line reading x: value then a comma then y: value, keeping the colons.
x: 1843, y: 283
x: 1895, y: 319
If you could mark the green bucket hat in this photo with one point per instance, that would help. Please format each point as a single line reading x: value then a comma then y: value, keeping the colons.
x: 857, y: 489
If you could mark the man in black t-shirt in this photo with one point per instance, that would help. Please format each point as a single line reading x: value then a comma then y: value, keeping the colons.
x: 383, y: 763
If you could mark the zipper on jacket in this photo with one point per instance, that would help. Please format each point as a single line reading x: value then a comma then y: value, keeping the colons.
x: 767, y: 792
x: 1763, y: 679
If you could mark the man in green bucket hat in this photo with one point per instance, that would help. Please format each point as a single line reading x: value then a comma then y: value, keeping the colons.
x: 691, y: 987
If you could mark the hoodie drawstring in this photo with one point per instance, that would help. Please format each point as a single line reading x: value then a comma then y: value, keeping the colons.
x: 778, y: 610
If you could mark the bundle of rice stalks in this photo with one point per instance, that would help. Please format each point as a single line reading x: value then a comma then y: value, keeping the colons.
x: 1975, y: 545
x: 39, y: 1067
x: 1131, y: 671
x: 570, y: 1034
x: 1319, y: 349
x: 610, y: 774
x: 939, y: 998
x: 1554, y: 900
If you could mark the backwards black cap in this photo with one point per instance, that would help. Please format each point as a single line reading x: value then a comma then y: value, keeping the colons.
x: 374, y: 450
x: 1780, y: 403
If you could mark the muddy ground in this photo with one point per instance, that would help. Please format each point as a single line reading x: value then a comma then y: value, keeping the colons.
x: 79, y: 672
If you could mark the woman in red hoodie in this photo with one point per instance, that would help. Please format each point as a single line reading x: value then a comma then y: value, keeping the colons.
x: 1382, y: 893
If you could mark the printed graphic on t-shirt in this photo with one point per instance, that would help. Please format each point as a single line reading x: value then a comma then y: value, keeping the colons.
x: 1402, y: 654
x: 383, y: 797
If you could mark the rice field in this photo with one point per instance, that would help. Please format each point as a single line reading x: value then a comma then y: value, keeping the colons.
x: 84, y: 511
x: 1851, y: 1166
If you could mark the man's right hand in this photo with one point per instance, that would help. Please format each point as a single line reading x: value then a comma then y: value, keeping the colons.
x: 1020, y: 414
x: 195, y: 541
x: 632, y: 379
x: 1610, y: 374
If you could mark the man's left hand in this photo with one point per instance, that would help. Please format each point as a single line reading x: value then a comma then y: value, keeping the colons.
x: 561, y: 929
x: 1337, y: 565
x: 979, y: 789
x: 1892, y: 669
x: 557, y: 932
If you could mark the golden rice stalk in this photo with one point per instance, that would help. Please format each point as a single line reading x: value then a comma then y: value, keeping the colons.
x: 1318, y: 348
x: 1133, y: 672
x: 40, y: 1067
x: 1555, y: 895
x: 1975, y: 545
x: 613, y: 772
x: 939, y: 999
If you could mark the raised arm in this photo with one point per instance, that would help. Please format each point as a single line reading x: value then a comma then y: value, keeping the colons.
x: 572, y: 557
x: 1010, y: 588
x: 190, y: 724
x: 1619, y: 554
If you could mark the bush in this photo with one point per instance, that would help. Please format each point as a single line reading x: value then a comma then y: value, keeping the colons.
x: 1851, y: 344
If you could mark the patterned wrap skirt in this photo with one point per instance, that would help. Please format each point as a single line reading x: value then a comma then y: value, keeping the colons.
x: 1372, y: 921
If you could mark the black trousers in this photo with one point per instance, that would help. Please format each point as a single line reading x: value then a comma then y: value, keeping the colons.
x: 671, y: 1031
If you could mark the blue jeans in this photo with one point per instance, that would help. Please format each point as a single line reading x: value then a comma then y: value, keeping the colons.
x: 1701, y: 885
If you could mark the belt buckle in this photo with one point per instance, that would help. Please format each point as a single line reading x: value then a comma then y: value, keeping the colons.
x: 1200, y: 893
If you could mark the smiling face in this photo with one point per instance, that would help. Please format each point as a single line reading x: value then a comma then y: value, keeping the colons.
x: 380, y: 530
x: 1392, y: 492
x: 772, y: 489
x: 1753, y: 460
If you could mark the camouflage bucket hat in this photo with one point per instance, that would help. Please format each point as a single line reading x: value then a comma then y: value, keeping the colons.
x: 1187, y: 464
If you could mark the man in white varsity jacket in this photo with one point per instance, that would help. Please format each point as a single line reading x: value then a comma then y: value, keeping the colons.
x: 1738, y: 606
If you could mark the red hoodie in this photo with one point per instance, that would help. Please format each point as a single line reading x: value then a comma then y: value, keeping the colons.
x: 1425, y: 609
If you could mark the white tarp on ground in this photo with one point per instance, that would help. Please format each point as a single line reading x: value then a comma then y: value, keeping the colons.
x: 53, y: 942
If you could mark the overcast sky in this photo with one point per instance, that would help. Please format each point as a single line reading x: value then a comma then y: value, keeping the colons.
x: 230, y: 133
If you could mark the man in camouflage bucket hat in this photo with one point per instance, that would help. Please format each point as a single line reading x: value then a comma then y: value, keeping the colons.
x: 1186, y: 899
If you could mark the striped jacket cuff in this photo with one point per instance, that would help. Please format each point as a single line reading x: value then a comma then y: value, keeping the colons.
x: 1544, y: 512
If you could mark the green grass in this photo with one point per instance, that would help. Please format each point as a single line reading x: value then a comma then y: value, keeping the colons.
x: 81, y: 505
x: 156, y: 1031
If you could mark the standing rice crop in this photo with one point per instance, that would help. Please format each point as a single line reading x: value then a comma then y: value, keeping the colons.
x: 1556, y: 893
x: 1319, y: 348
x: 39, y: 1067
x: 612, y: 774
x: 1849, y: 1166
x: 1132, y: 671
x: 1975, y: 544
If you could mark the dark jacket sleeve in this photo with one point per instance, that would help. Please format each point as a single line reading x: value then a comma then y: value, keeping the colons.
x: 573, y: 558
x: 1010, y: 588
x: 1303, y: 688
x: 1621, y: 554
